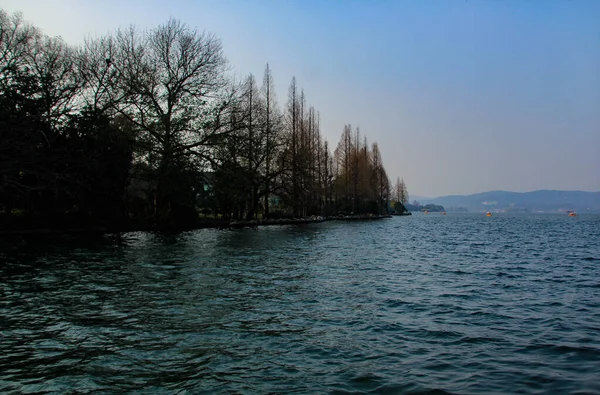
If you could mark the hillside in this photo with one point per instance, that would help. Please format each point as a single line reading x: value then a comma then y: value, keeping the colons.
x: 543, y: 200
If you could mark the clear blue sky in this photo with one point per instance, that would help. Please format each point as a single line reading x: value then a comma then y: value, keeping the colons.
x: 463, y: 96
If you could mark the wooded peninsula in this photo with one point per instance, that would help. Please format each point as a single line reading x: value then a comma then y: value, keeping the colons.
x: 146, y: 129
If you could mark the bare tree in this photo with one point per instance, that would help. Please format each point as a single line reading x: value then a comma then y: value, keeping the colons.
x: 397, y: 191
x: 355, y: 169
x: 38, y: 87
x: 293, y: 146
x: 99, y: 80
x: 174, y: 90
x: 15, y: 45
x: 380, y: 181
x: 16, y: 90
x: 272, y: 126
x: 343, y: 161
x: 52, y: 63
x: 403, y: 192
x: 258, y: 141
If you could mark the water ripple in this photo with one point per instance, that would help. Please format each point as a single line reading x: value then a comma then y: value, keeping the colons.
x: 456, y: 304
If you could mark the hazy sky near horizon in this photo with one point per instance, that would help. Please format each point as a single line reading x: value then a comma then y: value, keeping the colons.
x: 463, y: 96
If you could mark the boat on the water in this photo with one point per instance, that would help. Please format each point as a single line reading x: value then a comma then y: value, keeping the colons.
x: 488, y: 214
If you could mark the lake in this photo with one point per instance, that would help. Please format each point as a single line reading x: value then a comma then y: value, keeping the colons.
x: 426, y: 304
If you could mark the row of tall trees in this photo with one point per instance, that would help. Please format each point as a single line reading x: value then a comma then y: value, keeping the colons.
x: 361, y: 183
x: 147, y: 125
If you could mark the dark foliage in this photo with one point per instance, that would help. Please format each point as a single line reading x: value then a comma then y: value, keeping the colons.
x: 146, y: 130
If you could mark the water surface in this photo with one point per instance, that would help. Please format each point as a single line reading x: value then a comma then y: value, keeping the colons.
x: 461, y: 303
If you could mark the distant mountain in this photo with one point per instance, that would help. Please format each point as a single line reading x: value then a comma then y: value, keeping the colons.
x: 544, y: 200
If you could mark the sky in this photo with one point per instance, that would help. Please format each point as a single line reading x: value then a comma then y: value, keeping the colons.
x: 462, y: 96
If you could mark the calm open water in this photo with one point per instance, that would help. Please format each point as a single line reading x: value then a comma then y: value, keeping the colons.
x: 431, y: 304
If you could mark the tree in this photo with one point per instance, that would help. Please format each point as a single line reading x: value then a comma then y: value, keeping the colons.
x: 359, y: 181
x: 272, y: 143
x: 380, y: 181
x: 58, y: 158
x: 384, y: 190
x: 17, y: 111
x: 53, y: 66
x: 174, y: 90
x: 376, y: 177
x: 98, y: 154
x: 126, y: 127
x: 400, y: 191
x: 100, y: 92
x: 343, y: 160
x: 397, y: 190
x: 403, y: 192
x: 37, y: 89
x: 292, y: 150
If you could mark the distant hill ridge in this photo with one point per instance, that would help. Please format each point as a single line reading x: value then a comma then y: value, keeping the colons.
x: 542, y: 200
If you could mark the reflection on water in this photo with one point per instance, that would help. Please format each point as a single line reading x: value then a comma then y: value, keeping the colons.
x: 453, y: 304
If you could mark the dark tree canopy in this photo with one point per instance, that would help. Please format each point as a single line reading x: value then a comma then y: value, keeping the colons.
x: 147, y: 128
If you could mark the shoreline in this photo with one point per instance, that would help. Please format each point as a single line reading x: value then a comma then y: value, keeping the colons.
x: 210, y: 224
x: 300, y: 221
